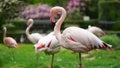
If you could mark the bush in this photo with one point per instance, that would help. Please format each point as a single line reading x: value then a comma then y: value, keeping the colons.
x: 114, y: 40
x: 109, y: 10
x: 82, y: 23
x: 116, y: 26
x: 50, y: 2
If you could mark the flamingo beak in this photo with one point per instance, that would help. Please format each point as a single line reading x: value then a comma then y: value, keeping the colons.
x: 52, y: 19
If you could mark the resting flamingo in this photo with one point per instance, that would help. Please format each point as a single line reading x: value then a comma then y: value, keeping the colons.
x: 34, y: 37
x: 49, y: 44
x: 9, y: 41
x: 74, y: 38
x: 96, y: 30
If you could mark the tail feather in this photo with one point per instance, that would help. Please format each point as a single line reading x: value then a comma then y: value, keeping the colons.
x: 107, y: 46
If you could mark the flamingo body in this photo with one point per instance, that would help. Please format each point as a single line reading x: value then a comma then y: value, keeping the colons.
x: 34, y: 37
x: 84, y: 40
x: 10, y: 42
x: 49, y: 44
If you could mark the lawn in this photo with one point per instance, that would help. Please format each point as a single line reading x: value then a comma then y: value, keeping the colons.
x: 25, y: 57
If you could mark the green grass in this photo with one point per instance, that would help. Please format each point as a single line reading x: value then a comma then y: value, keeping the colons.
x: 25, y: 57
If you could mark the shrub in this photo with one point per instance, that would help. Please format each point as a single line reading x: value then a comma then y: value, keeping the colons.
x: 109, y: 10
x: 116, y: 26
x: 114, y: 40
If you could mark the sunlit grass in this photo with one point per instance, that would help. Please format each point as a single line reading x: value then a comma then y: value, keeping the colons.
x: 25, y: 57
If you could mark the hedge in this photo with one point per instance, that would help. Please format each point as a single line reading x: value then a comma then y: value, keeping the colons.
x: 109, y: 10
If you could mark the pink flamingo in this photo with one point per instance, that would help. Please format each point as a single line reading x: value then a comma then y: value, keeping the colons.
x: 96, y: 30
x: 9, y: 41
x: 74, y: 38
x: 49, y: 44
x: 34, y: 37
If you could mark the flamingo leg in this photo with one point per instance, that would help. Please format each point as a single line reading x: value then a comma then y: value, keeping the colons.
x: 80, y: 62
x: 88, y: 56
x: 52, y: 61
x: 36, y: 59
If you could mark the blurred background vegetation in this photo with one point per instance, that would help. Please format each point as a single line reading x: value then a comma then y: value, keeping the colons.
x: 101, y: 13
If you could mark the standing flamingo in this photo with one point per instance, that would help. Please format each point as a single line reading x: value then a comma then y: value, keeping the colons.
x: 49, y: 44
x: 34, y: 37
x: 9, y: 41
x: 74, y: 38
x: 96, y: 30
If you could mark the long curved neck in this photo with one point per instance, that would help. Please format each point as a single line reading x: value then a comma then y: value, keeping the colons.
x: 28, y: 29
x: 59, y: 23
x: 4, y: 33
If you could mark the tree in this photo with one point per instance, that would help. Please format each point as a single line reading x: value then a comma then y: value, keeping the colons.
x: 9, y: 9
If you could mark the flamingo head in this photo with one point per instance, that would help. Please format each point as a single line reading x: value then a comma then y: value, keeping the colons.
x: 39, y: 47
x: 89, y: 26
x: 54, y: 11
x: 4, y: 28
x: 29, y: 22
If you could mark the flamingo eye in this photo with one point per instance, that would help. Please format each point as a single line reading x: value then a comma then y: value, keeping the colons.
x: 41, y: 46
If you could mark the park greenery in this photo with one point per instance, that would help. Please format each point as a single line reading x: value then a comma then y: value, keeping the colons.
x: 25, y: 57
x: 103, y: 13
x: 14, y: 13
x: 95, y: 9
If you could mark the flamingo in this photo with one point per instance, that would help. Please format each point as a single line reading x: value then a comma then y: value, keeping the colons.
x: 96, y: 30
x: 9, y: 41
x: 49, y: 44
x: 34, y: 37
x: 74, y: 38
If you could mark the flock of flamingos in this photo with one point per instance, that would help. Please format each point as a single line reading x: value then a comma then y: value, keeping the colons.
x: 76, y: 39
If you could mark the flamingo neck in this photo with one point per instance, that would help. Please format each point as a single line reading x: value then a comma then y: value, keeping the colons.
x: 28, y: 29
x: 59, y: 23
x: 4, y: 33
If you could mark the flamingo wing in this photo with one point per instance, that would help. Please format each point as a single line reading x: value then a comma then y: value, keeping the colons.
x: 74, y: 45
x: 79, y: 38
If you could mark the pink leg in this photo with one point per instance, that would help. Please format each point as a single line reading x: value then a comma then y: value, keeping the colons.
x: 80, y: 64
x: 52, y: 61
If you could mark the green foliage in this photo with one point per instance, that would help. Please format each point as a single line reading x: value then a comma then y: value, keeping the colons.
x: 81, y: 23
x: 109, y: 10
x: 92, y: 8
x: 9, y: 9
x: 50, y: 2
x: 116, y: 26
x: 114, y: 40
